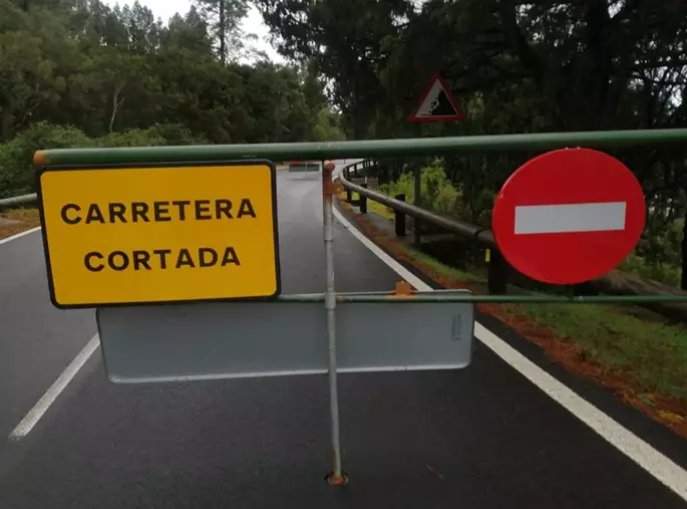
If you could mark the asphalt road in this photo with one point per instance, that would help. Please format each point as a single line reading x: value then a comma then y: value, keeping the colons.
x: 481, y: 437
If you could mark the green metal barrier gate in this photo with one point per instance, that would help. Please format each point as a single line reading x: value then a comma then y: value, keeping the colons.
x: 119, y: 323
x: 386, y: 148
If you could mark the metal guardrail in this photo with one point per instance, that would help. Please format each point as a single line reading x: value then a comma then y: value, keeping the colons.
x: 24, y: 199
x: 481, y: 235
x: 498, y: 269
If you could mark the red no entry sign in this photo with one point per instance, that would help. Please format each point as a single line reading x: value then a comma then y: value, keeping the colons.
x: 569, y: 215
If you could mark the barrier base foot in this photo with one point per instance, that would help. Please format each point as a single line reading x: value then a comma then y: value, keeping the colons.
x: 336, y: 480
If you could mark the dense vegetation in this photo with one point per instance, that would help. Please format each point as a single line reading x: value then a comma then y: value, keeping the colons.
x: 79, y: 73
x: 515, y: 66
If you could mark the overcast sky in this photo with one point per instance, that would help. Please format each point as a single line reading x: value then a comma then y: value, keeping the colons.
x: 253, y: 24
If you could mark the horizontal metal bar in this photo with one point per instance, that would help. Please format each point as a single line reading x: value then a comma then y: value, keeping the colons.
x: 453, y: 296
x: 24, y: 199
x: 362, y: 148
x: 433, y: 296
x: 481, y: 235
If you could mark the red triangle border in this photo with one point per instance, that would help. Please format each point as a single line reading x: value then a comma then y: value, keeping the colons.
x: 459, y: 115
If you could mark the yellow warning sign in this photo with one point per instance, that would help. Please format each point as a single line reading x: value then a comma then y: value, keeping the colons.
x: 160, y: 234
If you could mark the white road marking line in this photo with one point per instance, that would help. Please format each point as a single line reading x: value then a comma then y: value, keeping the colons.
x: 643, y: 454
x: 19, y: 235
x: 42, y: 405
x: 570, y: 217
x: 651, y: 460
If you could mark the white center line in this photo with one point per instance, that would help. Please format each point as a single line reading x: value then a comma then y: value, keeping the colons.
x: 643, y: 454
x: 42, y: 405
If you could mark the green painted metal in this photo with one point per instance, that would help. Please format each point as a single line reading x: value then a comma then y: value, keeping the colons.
x: 365, y: 148
x: 448, y: 296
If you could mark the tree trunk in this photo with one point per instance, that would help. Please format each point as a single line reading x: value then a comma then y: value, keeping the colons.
x: 222, y: 32
x: 116, y: 106
x: 683, y: 278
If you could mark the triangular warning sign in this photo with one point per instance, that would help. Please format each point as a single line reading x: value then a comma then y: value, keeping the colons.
x: 437, y: 104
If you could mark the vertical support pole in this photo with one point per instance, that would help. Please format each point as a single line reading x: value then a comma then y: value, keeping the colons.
x: 362, y: 202
x: 336, y: 477
x: 400, y: 218
x: 417, y: 240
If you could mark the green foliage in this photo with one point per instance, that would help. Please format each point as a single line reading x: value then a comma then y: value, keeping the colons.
x: 224, y: 20
x: 17, y: 173
x: 437, y: 191
x: 328, y: 126
x: 123, y: 78
x: 668, y: 273
x: 177, y: 134
x: 132, y: 138
x: 113, y: 69
x: 403, y: 185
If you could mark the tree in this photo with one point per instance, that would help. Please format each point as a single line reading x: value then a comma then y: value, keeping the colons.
x: 28, y: 81
x: 143, y: 30
x: 121, y: 77
x: 189, y: 33
x: 328, y: 126
x: 346, y: 42
x: 224, y: 19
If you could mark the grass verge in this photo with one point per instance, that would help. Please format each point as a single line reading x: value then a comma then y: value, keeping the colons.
x: 381, y: 210
x: 651, y: 354
x: 14, y: 221
x: 418, y: 257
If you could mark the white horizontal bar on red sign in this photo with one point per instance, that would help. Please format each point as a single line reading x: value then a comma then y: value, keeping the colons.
x: 570, y: 217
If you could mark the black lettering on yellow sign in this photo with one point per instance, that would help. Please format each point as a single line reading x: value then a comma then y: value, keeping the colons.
x: 157, y: 211
x: 95, y: 261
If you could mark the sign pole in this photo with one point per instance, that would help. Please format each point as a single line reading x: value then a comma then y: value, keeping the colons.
x: 417, y: 180
x: 336, y: 477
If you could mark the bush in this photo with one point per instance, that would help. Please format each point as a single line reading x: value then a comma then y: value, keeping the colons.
x: 161, y: 134
x: 177, y: 134
x: 17, y: 173
x: 131, y: 138
x: 438, y: 193
x: 658, y: 271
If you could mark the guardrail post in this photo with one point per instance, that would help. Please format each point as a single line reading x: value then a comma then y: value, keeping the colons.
x: 400, y: 218
x: 349, y: 196
x: 363, y: 200
x: 417, y: 240
x: 498, y: 272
